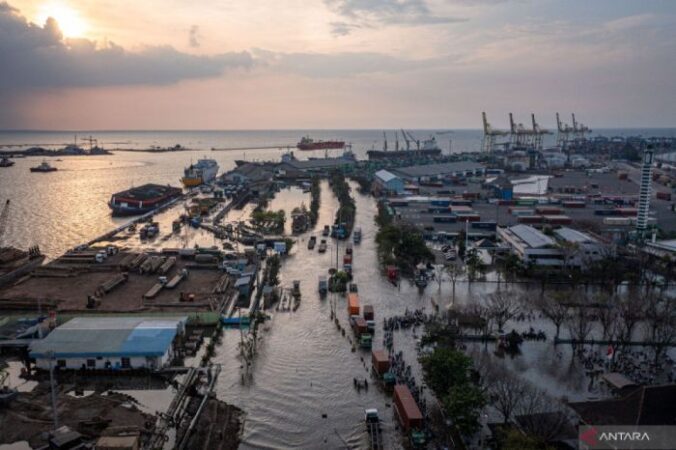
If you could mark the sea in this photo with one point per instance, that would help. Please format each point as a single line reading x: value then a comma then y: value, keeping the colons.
x: 62, y: 209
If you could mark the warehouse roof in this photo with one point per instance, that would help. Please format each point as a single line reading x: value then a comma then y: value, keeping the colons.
x: 574, y: 236
x: 438, y: 169
x: 532, y: 237
x: 110, y: 336
x: 385, y: 176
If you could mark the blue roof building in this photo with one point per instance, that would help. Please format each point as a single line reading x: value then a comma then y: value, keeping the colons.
x: 110, y: 343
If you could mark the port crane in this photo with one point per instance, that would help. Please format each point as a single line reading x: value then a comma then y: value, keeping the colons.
x: 490, y: 135
x: 538, y: 133
x: 579, y: 130
x: 563, y: 132
x: 519, y: 135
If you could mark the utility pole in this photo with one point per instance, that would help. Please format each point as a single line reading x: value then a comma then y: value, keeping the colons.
x: 52, y: 382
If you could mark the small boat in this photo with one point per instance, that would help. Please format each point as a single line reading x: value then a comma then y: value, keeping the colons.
x: 312, y: 242
x: 43, y: 167
x: 6, y: 162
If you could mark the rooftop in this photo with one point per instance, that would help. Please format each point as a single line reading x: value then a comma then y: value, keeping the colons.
x: 531, y: 236
x: 110, y: 336
x: 438, y: 169
x: 385, y: 176
x: 573, y: 236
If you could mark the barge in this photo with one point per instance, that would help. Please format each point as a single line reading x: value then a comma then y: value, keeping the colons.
x: 142, y: 199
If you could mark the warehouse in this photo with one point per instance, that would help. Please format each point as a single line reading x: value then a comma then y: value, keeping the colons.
x: 386, y: 183
x: 531, y: 245
x: 110, y: 343
x: 438, y: 171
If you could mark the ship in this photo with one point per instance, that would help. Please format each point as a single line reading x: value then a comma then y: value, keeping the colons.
x: 142, y: 199
x: 428, y: 148
x: 201, y: 173
x: 307, y: 143
x: 6, y: 162
x: 43, y: 167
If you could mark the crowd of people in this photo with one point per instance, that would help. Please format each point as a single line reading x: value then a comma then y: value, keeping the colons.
x: 638, y: 366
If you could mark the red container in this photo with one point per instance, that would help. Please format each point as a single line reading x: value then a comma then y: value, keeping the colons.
x: 529, y: 219
x: 469, y: 218
x: 406, y: 408
x: 573, y: 204
x: 347, y: 259
x: 380, y: 360
x: 548, y: 210
x: 506, y: 202
x: 664, y: 196
x: 627, y: 211
x: 368, y: 312
x: 359, y: 326
x: 353, y: 304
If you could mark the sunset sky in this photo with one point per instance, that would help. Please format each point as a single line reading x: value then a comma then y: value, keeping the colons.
x: 258, y: 64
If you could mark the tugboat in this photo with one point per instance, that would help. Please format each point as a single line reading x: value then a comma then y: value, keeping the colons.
x: 44, y: 167
x: 6, y: 162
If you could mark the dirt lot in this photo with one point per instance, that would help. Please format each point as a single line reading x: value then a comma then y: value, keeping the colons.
x: 30, y: 415
x: 69, y: 285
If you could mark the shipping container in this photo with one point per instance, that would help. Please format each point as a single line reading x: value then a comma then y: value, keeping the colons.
x: 530, y: 219
x: 627, y: 211
x: 439, y: 210
x: 358, y: 325
x: 470, y: 195
x: 460, y: 202
x: 551, y: 210
x: 380, y: 360
x: 398, y: 203
x: 406, y: 409
x: 521, y: 212
x: 461, y: 209
x: 617, y: 220
x: 353, y: 304
x: 622, y: 175
x: 368, y: 312
x: 573, y: 204
x: 468, y: 217
x: 607, y: 212
x: 492, y: 226
x: 664, y: 196
x: 558, y: 220
x: 445, y: 219
x: 526, y: 202
x: 502, y: 202
x: 439, y: 202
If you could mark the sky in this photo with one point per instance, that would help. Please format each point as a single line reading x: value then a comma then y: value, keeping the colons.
x: 299, y: 64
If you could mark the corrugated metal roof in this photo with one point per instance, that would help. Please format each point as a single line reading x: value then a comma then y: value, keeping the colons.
x: 571, y: 235
x: 532, y: 237
x: 438, y: 169
x: 110, y: 336
x: 385, y: 176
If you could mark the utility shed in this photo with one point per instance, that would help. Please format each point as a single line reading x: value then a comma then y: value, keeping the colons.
x: 110, y: 343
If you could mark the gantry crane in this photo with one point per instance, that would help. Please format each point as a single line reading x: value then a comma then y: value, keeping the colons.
x: 538, y: 133
x: 564, y: 132
x: 580, y: 131
x: 490, y: 134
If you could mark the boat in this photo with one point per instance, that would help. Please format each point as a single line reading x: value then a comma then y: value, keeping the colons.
x: 312, y: 242
x: 142, y: 199
x: 201, y: 173
x: 43, y: 167
x: 429, y: 148
x: 6, y: 162
x: 307, y: 143
x: 356, y: 235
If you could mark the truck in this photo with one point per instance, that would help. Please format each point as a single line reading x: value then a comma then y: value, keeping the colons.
x: 368, y: 312
x: 373, y: 428
x: 353, y: 304
x: 380, y: 361
x: 406, y: 409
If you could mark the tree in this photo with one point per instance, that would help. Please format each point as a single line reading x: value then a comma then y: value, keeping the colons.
x: 501, y: 306
x: 517, y: 440
x: 660, y: 323
x: 454, y: 272
x: 580, y: 324
x: 510, y: 265
x: 444, y: 368
x: 607, y: 314
x: 552, y: 306
x: 630, y: 312
x: 463, y: 406
x: 505, y: 391
x: 475, y: 265
x: 542, y: 416
x: 460, y: 242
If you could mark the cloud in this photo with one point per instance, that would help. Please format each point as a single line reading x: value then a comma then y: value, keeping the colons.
x: 339, y: 65
x: 194, y: 36
x: 384, y: 12
x: 39, y: 57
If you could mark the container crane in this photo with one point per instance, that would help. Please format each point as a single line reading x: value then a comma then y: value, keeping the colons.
x: 518, y: 133
x: 563, y: 132
x: 490, y: 134
x: 408, y: 143
x: 538, y: 133
x: 579, y: 130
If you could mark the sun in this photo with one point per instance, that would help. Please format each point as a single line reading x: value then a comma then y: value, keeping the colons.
x: 70, y: 21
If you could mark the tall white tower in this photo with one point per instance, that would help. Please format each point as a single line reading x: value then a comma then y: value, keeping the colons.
x: 644, y: 193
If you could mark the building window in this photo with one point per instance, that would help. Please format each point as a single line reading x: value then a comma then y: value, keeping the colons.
x: 126, y: 364
x: 91, y: 363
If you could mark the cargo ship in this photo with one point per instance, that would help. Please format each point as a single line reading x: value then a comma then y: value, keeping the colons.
x: 142, y: 199
x: 427, y: 148
x: 201, y: 173
x: 307, y: 143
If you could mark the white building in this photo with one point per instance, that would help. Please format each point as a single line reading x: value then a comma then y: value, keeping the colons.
x: 531, y: 245
x: 110, y: 343
x: 586, y: 248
